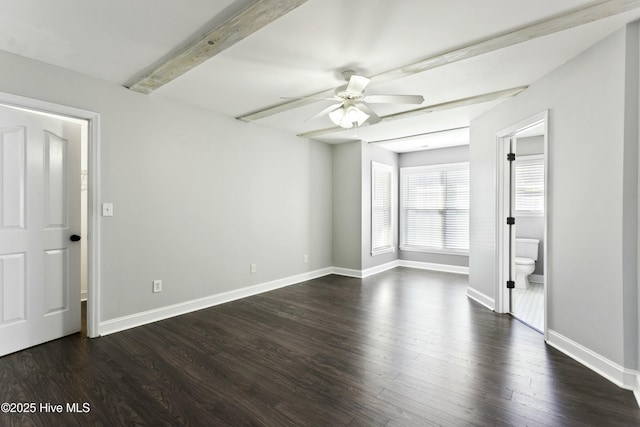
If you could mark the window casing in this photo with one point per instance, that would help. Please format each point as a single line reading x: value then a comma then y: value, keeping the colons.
x: 434, y: 208
x: 529, y: 185
x: 381, y: 208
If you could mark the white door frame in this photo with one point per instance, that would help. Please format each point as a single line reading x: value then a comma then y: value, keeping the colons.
x: 93, y: 183
x: 502, y: 209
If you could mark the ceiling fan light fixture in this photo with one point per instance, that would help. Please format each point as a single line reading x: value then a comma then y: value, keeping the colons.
x: 353, y: 109
x: 348, y: 116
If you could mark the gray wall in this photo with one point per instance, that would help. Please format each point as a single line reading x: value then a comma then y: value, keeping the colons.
x: 532, y: 227
x: 320, y: 206
x: 589, y: 178
x: 630, y: 291
x: 435, y: 157
x: 347, y: 205
x: 197, y: 196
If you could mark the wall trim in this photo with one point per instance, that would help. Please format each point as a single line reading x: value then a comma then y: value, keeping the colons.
x: 620, y: 376
x: 636, y: 392
x: 361, y: 274
x: 380, y: 268
x: 150, y: 316
x: 536, y: 278
x: 435, y: 267
x: 348, y: 272
x: 481, y: 298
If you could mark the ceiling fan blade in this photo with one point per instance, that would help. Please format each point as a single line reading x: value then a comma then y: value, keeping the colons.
x: 373, y: 117
x: 357, y: 84
x: 394, y: 99
x: 326, y: 111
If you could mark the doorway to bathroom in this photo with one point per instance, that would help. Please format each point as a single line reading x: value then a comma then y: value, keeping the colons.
x: 522, y: 223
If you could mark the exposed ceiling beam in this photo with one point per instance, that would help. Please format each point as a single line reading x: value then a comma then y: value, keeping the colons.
x: 416, y: 135
x: 243, y: 24
x: 594, y: 12
x: 478, y: 99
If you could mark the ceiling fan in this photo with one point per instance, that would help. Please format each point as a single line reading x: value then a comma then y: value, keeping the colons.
x: 352, y: 109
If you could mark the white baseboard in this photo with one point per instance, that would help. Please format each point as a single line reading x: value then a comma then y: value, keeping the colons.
x: 434, y: 267
x: 636, y: 392
x: 361, y: 274
x: 83, y: 296
x: 380, y: 268
x: 348, y: 272
x: 622, y: 377
x: 150, y: 316
x: 481, y: 298
x: 536, y: 278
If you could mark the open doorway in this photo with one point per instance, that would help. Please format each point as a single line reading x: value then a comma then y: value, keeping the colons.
x: 522, y: 236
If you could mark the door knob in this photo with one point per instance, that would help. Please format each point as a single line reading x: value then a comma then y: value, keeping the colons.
x: 75, y: 238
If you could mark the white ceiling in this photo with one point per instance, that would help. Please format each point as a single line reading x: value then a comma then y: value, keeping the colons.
x: 304, y: 51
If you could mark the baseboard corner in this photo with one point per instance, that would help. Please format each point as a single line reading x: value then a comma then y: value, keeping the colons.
x: 347, y: 272
x: 380, y: 268
x: 481, y: 298
x: 620, y: 376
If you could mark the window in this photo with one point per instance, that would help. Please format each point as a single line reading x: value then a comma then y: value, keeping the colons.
x: 434, y: 208
x: 529, y: 177
x: 381, y: 185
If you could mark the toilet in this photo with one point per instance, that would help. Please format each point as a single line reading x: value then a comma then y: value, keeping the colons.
x: 526, y: 257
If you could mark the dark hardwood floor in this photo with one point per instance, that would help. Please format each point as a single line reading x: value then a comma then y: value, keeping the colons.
x: 402, y: 348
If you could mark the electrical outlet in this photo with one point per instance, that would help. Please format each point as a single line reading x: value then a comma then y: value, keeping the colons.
x: 306, y: 258
x: 157, y: 286
x: 252, y: 268
x: 107, y: 209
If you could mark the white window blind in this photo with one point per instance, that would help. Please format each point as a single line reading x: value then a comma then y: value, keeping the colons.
x: 381, y: 217
x: 434, y: 208
x: 529, y: 180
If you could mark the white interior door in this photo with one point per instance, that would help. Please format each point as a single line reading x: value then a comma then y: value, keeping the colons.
x: 39, y: 212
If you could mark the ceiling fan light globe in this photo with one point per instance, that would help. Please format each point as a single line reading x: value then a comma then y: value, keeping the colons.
x: 337, y: 116
x: 345, y: 123
x: 352, y: 114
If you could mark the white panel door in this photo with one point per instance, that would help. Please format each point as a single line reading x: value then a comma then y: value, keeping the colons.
x: 39, y: 212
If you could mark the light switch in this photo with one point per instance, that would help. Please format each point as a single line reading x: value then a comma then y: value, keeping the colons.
x: 107, y: 209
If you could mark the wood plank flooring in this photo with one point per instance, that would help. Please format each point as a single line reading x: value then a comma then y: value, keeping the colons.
x: 402, y: 348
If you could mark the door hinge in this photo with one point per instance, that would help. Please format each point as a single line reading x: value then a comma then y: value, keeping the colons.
x: 511, y: 220
x: 511, y: 157
x: 511, y: 284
